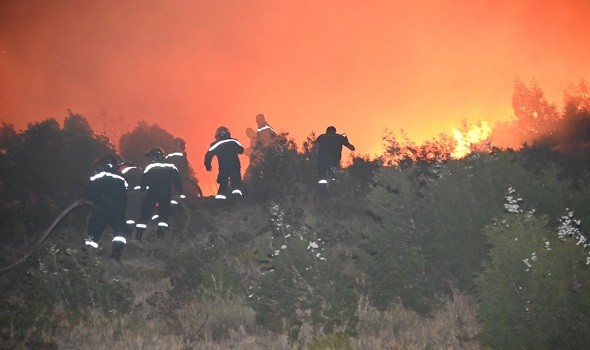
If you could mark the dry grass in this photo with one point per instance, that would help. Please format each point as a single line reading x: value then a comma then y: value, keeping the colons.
x: 452, y: 327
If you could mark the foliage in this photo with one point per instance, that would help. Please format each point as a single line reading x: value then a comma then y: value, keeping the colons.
x: 432, y: 216
x: 277, y: 170
x: 534, y: 115
x: 304, y: 284
x: 404, y: 152
x: 44, y: 168
x: 204, y: 271
x: 134, y: 144
x: 61, y: 289
x: 533, y: 290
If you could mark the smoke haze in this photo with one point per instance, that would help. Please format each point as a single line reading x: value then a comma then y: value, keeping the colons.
x: 191, y: 66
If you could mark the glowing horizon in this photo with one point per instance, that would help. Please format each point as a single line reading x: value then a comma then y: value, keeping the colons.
x: 191, y: 66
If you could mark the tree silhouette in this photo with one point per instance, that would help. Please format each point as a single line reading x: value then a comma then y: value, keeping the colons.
x: 534, y: 115
x: 45, y: 167
x: 144, y: 136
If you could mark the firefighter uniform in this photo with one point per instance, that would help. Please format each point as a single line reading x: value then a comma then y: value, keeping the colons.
x: 108, y: 193
x: 329, y: 152
x: 226, y: 149
x: 156, y: 182
x: 132, y: 174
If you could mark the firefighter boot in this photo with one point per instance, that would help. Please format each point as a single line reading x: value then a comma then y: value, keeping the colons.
x: 139, y: 234
x: 116, y: 252
x: 161, y: 232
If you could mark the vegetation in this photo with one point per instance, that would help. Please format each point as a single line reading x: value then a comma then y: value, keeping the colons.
x: 412, y: 250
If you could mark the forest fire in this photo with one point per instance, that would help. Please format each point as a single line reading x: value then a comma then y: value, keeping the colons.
x: 470, y: 138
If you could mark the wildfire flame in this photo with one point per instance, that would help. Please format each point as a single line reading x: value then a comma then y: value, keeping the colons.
x: 476, y: 134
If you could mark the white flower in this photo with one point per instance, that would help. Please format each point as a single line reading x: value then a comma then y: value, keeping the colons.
x: 283, y: 247
x: 313, y: 245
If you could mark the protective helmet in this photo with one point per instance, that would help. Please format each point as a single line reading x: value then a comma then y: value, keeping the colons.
x: 222, y: 133
x: 330, y: 130
x: 179, y: 143
x: 106, y: 163
x: 156, y: 154
x: 260, y: 120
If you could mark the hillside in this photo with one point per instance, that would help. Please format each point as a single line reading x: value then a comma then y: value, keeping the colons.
x: 387, y: 257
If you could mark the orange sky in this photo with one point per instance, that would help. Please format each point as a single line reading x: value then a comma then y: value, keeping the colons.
x: 190, y: 66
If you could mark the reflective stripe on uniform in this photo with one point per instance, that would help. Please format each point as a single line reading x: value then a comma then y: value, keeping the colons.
x: 223, y: 141
x: 141, y: 225
x: 265, y: 127
x: 91, y: 243
x: 220, y: 196
x: 323, y: 181
x: 126, y: 169
x: 160, y: 165
x: 104, y: 173
x: 236, y: 192
x: 162, y: 224
x: 120, y: 239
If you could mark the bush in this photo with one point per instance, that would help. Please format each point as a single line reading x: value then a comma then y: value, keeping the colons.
x: 61, y: 289
x: 534, y: 289
x: 304, y: 284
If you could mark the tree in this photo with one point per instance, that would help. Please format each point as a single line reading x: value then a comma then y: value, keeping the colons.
x: 577, y: 97
x: 45, y: 168
x: 533, y: 289
x: 534, y: 115
x: 144, y: 136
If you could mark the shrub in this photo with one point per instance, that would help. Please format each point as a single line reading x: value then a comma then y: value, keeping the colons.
x: 534, y: 289
x: 64, y: 285
x: 304, y: 284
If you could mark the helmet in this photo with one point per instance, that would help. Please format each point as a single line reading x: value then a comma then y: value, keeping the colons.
x: 260, y: 120
x: 179, y: 143
x: 331, y: 130
x: 222, y: 133
x: 106, y: 163
x: 156, y: 154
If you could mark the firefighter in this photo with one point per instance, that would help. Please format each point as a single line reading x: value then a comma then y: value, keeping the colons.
x: 265, y: 133
x: 156, y: 182
x: 227, y: 150
x: 328, y: 148
x: 132, y: 174
x: 108, y: 193
x: 180, y: 160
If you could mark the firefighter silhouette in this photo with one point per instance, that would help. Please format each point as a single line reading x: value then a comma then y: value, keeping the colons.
x: 265, y: 134
x: 328, y: 148
x: 226, y: 149
x: 132, y: 174
x: 179, y: 158
x: 156, y: 182
x: 108, y: 193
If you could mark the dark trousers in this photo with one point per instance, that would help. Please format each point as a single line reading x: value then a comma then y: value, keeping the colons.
x: 149, y: 204
x: 326, y: 167
x: 101, y: 217
x: 227, y: 176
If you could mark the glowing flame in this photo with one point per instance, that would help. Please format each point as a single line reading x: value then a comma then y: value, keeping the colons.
x: 469, y: 139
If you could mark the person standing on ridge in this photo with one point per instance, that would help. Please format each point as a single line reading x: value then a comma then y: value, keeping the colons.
x: 328, y: 148
x: 108, y: 193
x: 265, y: 133
x: 227, y: 150
x: 179, y: 158
x: 157, y: 180
x: 132, y: 174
